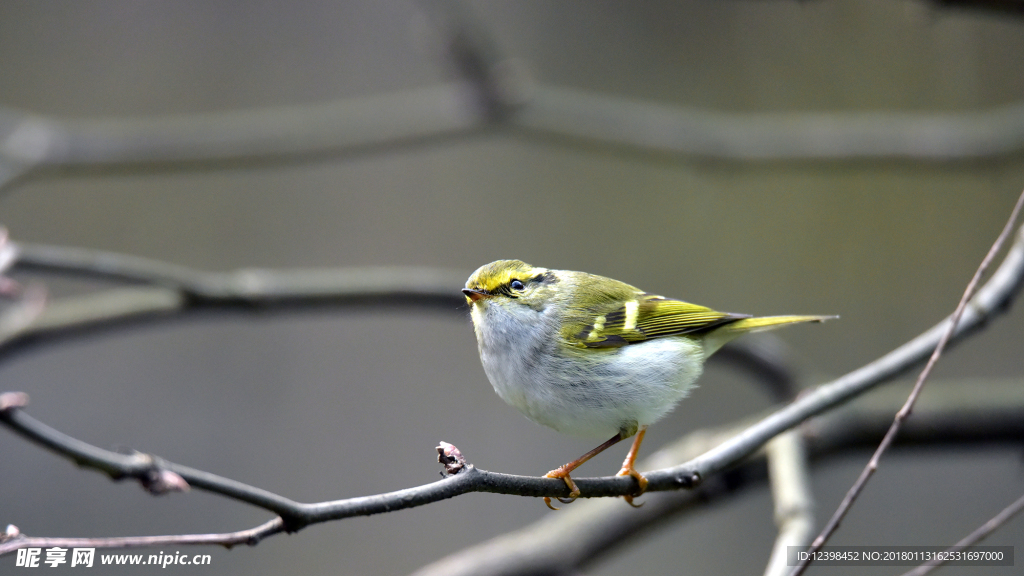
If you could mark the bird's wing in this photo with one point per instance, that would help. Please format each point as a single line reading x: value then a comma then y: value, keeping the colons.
x: 639, y: 318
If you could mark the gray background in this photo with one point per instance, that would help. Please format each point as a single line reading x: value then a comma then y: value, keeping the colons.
x: 331, y: 404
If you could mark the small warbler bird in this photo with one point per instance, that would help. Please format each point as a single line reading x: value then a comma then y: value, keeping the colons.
x: 589, y: 356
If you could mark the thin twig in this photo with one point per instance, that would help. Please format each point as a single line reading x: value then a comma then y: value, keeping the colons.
x: 978, y: 535
x: 576, y: 117
x: 791, y: 492
x: 495, y: 90
x: 947, y: 416
x: 166, y: 290
x: 503, y: 84
x: 332, y: 128
x: 182, y: 289
x: 997, y: 416
x: 252, y: 286
x: 27, y: 302
x: 27, y: 308
x: 908, y: 406
x: 993, y: 298
x: 250, y: 537
x: 990, y: 300
x: 295, y: 514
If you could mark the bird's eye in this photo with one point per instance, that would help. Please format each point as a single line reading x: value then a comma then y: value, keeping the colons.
x: 517, y: 285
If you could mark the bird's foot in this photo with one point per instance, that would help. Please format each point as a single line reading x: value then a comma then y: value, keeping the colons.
x: 631, y: 471
x: 574, y: 492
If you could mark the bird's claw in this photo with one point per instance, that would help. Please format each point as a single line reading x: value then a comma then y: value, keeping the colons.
x: 629, y: 500
x: 574, y: 492
x: 640, y: 480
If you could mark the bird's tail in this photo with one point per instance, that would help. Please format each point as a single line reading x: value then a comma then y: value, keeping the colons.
x: 728, y: 332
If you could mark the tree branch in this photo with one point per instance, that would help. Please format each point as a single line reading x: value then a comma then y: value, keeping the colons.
x: 252, y: 286
x: 953, y: 413
x: 577, y: 116
x: 950, y: 415
x: 498, y: 91
x: 904, y: 412
x: 992, y: 298
x: 503, y: 84
x: 167, y: 290
x: 13, y: 539
x: 978, y: 535
x: 28, y: 302
x: 335, y: 127
x: 791, y: 492
x: 296, y: 515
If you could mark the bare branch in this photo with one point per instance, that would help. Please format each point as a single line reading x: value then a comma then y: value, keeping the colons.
x: 993, y: 298
x: 451, y: 110
x: 952, y: 413
x: 978, y: 535
x: 28, y: 302
x: 496, y: 90
x: 138, y: 466
x: 904, y: 412
x: 296, y: 515
x: 16, y: 318
x: 15, y: 540
x: 253, y: 286
x: 672, y: 130
x: 503, y: 83
x: 169, y: 289
x: 791, y: 492
x: 337, y: 127
x: 945, y: 417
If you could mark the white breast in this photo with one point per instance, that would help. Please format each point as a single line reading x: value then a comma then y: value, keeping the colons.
x: 594, y: 392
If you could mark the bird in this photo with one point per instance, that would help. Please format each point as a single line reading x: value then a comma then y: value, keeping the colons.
x: 592, y: 356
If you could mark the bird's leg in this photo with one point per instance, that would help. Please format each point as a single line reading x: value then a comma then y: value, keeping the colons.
x: 629, y: 470
x: 564, y: 470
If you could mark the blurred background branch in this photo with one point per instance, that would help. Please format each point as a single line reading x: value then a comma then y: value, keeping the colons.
x: 992, y: 298
x: 162, y: 289
x: 571, y: 116
x: 497, y: 91
x: 292, y: 149
x: 792, y: 494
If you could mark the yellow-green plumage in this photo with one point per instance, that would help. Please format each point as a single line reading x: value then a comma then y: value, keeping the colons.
x: 721, y: 336
x: 585, y: 354
x: 619, y: 314
x: 589, y: 355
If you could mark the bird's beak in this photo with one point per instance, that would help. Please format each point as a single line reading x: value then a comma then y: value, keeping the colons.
x: 474, y: 294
